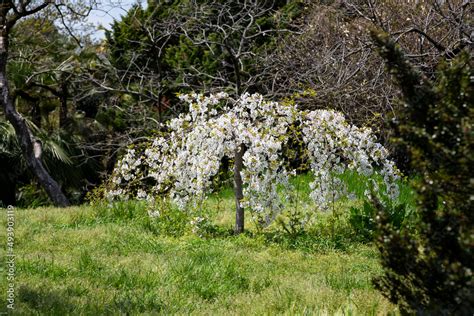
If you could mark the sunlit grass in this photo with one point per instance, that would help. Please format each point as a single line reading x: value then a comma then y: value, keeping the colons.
x: 83, y: 260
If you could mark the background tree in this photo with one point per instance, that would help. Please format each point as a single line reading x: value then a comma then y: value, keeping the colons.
x: 234, y: 36
x: 45, y: 75
x: 10, y: 13
x: 136, y: 48
x: 333, y: 61
x: 40, y: 53
x: 430, y: 271
x: 183, y: 46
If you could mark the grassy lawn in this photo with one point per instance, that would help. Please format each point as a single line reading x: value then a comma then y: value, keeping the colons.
x: 88, y: 260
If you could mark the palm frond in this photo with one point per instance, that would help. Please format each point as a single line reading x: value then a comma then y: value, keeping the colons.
x: 8, y: 142
x: 56, y: 150
x: 53, y: 145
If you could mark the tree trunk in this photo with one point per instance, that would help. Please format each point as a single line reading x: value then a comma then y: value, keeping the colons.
x: 238, y: 190
x: 23, y: 133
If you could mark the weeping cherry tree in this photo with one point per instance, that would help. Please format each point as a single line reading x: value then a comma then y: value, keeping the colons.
x: 251, y: 132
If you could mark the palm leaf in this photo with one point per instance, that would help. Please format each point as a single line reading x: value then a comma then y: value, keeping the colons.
x: 56, y: 150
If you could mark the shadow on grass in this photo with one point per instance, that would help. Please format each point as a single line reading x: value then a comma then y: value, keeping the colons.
x: 46, y: 301
x: 62, y: 302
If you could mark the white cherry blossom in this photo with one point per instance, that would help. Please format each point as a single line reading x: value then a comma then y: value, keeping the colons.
x: 182, y: 164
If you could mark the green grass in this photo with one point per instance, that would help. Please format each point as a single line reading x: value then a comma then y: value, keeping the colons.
x: 95, y: 260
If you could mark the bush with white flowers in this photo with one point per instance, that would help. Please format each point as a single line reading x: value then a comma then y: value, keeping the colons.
x: 182, y: 164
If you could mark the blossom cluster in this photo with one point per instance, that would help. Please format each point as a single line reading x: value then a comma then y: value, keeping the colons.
x: 334, y: 147
x: 182, y: 164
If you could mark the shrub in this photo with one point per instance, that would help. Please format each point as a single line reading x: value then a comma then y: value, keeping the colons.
x: 32, y: 196
x: 363, y: 219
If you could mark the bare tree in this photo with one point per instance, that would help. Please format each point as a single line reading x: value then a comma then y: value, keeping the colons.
x: 334, y: 64
x: 235, y: 33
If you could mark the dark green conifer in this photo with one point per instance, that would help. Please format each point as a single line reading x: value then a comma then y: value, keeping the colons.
x: 429, y: 271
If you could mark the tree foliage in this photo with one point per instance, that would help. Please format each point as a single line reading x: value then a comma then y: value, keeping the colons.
x: 430, y: 271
